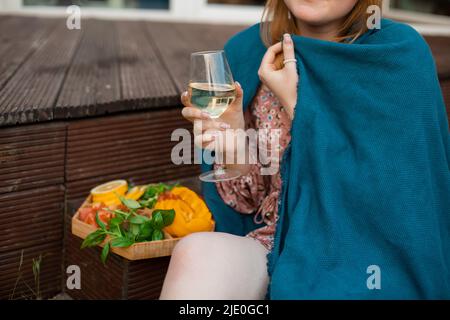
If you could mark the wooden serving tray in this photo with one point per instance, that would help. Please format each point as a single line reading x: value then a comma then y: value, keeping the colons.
x: 137, y: 251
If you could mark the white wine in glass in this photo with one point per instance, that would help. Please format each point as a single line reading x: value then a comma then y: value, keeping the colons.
x: 212, y: 89
x: 212, y: 98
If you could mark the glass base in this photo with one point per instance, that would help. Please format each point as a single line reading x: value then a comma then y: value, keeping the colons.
x: 219, y: 175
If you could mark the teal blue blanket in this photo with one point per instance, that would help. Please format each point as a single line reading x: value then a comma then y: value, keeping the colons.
x: 365, y: 204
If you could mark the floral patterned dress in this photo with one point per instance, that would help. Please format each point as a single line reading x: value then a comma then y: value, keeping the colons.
x: 255, y: 193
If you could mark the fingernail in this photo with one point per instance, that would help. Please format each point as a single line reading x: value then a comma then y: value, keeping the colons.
x: 287, y: 38
x: 184, y: 94
x: 238, y: 84
x: 224, y: 125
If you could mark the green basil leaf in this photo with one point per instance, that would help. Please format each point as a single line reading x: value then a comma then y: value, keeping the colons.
x: 167, y: 215
x: 129, y: 235
x: 138, y: 219
x: 121, y: 213
x: 122, y: 227
x: 135, y: 229
x: 105, y: 253
x: 122, y: 242
x: 157, y: 235
x: 145, y: 231
x: 100, y: 223
x: 114, y: 222
x: 130, y: 203
x: 93, y: 239
x: 149, y: 203
x: 157, y: 220
x: 152, y: 191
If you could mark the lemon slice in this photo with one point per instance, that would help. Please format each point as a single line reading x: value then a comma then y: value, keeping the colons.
x: 136, y: 192
x: 108, y: 192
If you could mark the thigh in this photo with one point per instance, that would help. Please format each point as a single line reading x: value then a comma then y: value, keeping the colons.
x: 215, y: 265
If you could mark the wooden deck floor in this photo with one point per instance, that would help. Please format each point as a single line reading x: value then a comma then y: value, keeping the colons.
x: 48, y: 72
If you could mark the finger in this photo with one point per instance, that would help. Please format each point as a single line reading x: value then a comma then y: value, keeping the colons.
x: 237, y: 103
x: 186, y: 101
x: 192, y: 114
x: 205, y: 141
x: 288, y: 51
x: 201, y: 139
x: 268, y: 60
x: 288, y: 47
x: 239, y: 91
x: 201, y: 126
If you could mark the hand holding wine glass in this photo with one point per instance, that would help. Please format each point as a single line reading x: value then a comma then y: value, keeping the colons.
x: 232, y: 118
x: 213, y: 103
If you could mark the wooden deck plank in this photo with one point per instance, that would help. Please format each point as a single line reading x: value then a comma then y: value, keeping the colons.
x: 14, y: 26
x: 4, y: 19
x: 30, y: 95
x: 24, y: 36
x: 445, y: 86
x: 93, y: 80
x: 42, y: 209
x: 176, y: 41
x: 51, y: 271
x: 11, y: 134
x: 174, y: 50
x: 146, y: 145
x: 32, y: 157
x: 97, y: 284
x: 440, y: 46
x: 145, y: 80
x: 44, y: 215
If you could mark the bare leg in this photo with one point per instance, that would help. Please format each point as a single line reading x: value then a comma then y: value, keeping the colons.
x: 215, y: 265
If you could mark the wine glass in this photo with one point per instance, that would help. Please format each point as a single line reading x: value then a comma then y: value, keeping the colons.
x: 212, y: 89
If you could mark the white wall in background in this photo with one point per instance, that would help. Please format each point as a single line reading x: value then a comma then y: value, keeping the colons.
x: 201, y: 11
x: 10, y: 4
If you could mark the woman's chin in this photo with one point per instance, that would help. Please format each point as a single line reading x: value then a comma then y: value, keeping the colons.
x: 312, y: 16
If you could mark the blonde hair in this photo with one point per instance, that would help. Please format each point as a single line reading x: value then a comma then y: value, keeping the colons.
x: 272, y: 30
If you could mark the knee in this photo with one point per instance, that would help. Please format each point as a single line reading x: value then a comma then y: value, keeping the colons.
x: 192, y: 251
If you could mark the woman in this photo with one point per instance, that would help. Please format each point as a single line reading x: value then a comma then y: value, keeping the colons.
x: 364, y: 182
